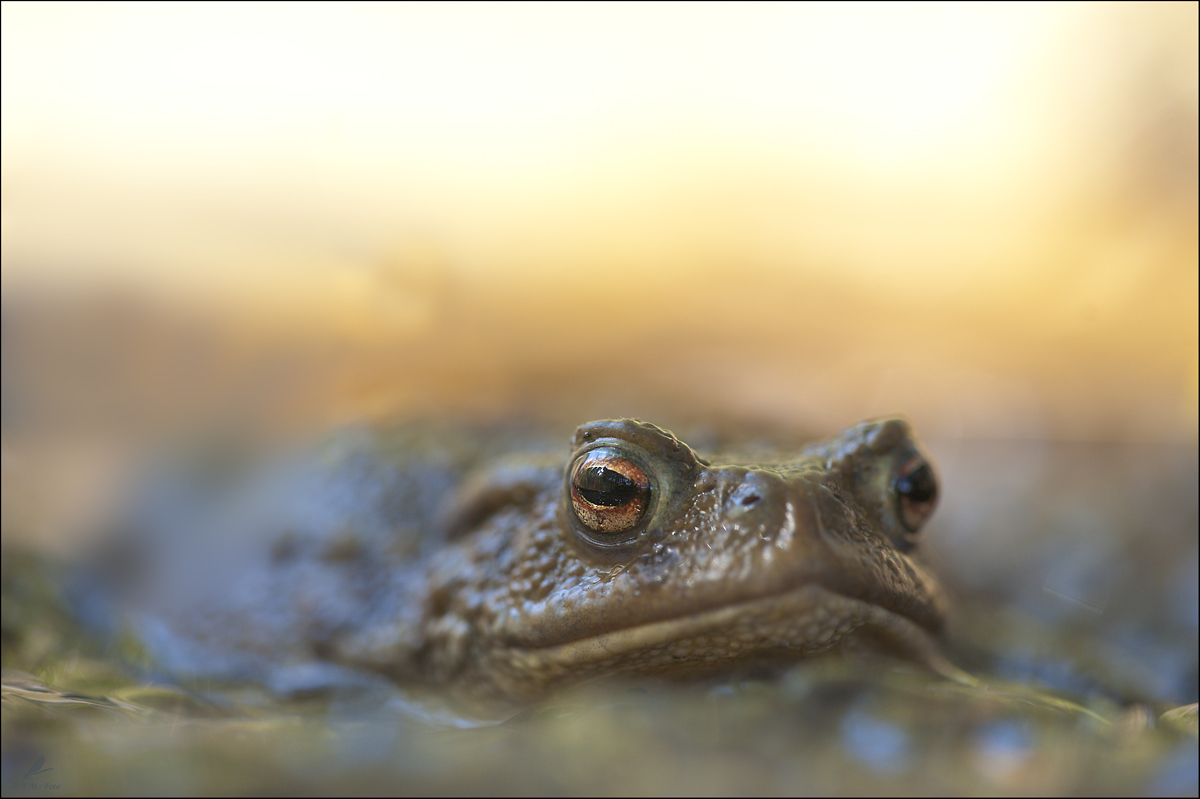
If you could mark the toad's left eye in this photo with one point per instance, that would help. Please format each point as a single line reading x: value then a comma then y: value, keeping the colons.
x: 609, y: 492
x: 916, y: 492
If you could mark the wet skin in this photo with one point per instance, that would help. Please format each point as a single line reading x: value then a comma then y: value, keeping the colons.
x: 636, y: 556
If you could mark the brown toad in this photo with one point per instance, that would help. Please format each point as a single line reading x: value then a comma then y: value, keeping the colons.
x: 636, y: 557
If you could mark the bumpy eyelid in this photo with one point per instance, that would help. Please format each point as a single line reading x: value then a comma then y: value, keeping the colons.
x: 670, y: 466
x: 638, y: 436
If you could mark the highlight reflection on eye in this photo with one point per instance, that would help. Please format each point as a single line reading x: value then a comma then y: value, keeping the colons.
x: 916, y: 492
x: 609, y: 492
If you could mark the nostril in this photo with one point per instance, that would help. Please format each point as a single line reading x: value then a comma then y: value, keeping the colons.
x: 750, y: 492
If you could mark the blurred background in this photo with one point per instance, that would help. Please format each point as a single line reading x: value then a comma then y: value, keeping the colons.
x: 268, y: 217
x: 982, y: 215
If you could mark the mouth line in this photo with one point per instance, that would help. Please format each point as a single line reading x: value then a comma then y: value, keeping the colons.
x: 805, y: 619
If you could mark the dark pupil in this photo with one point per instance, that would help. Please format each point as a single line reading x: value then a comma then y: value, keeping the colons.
x: 918, y: 486
x: 601, y: 486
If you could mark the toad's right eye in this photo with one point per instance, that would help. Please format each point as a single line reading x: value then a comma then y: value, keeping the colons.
x: 609, y: 493
x: 916, y: 491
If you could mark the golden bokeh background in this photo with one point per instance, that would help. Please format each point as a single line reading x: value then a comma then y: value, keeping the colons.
x: 981, y: 215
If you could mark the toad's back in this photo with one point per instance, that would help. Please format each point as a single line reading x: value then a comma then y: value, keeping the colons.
x: 636, y: 556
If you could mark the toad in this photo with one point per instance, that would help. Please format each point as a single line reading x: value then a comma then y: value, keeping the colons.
x: 634, y: 557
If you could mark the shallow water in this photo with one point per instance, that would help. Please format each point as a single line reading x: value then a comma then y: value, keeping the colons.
x: 825, y: 728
